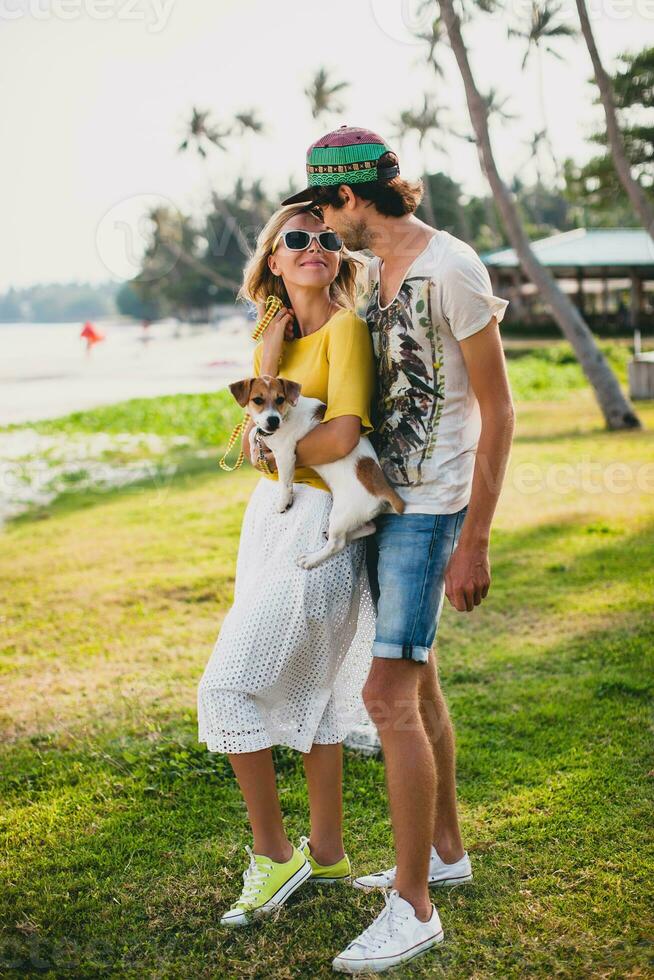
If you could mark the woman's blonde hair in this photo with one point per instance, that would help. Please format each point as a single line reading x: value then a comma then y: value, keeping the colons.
x: 259, y: 282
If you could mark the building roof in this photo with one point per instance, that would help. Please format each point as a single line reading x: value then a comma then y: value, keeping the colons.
x: 589, y: 248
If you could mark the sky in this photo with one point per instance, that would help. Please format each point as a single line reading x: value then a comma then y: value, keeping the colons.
x: 95, y: 96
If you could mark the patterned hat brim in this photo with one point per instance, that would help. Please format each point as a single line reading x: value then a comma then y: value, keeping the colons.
x: 368, y: 176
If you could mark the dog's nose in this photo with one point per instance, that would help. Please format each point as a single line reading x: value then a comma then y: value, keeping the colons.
x: 272, y: 422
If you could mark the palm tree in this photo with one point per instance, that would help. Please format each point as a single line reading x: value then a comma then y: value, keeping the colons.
x: 618, y: 411
x: 495, y: 108
x: 321, y: 94
x: 426, y: 124
x: 495, y: 105
x: 201, y: 132
x: 247, y: 122
x: 432, y: 39
x: 170, y: 237
x: 541, y: 28
x: 203, y: 135
x: 633, y: 189
x: 534, y: 145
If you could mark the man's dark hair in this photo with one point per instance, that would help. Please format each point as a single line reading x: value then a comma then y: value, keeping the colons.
x: 393, y: 198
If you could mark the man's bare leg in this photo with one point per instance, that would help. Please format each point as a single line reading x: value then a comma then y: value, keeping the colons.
x: 436, y: 719
x: 392, y: 701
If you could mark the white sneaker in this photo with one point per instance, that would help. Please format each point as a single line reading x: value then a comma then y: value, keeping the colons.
x: 396, y: 935
x: 440, y: 874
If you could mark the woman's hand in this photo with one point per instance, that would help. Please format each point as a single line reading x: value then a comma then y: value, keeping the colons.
x: 278, y: 330
x: 268, y: 458
x: 246, y: 440
x: 257, y: 450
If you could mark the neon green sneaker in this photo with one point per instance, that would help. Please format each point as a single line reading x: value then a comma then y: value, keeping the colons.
x: 267, y: 885
x: 326, y: 874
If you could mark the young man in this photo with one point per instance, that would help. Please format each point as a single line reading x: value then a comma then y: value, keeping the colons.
x: 444, y: 425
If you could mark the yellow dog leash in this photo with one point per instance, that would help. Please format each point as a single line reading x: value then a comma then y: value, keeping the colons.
x: 273, y: 306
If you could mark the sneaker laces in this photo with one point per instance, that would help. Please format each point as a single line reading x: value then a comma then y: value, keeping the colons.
x: 384, y: 926
x: 253, y: 879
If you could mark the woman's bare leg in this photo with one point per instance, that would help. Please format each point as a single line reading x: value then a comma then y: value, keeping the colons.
x: 323, y: 767
x: 255, y: 773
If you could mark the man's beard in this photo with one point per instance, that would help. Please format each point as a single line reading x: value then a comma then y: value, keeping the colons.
x: 356, y: 235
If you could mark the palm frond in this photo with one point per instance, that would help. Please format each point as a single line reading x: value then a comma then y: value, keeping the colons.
x: 321, y: 93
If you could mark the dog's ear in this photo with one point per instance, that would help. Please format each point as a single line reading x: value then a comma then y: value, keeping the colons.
x: 241, y: 391
x: 291, y: 391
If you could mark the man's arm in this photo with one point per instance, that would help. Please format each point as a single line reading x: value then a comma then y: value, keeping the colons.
x: 467, y: 577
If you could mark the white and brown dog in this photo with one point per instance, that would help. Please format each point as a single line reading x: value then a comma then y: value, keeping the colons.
x: 359, y: 488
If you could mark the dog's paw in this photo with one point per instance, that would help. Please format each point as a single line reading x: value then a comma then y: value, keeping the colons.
x: 306, y: 562
x: 285, y: 503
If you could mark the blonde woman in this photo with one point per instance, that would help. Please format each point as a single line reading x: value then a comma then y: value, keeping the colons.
x: 295, y: 648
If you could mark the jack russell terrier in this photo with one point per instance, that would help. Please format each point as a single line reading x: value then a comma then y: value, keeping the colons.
x: 359, y: 488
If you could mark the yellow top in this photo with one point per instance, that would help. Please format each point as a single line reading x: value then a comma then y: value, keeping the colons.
x: 334, y: 364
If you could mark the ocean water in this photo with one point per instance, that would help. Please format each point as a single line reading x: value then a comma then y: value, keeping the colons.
x: 45, y: 371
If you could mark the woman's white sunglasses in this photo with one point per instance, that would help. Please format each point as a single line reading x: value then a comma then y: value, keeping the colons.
x: 298, y: 241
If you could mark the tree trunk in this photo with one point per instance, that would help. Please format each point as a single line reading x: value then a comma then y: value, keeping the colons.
x: 463, y: 220
x: 635, y: 192
x: 636, y: 306
x: 231, y: 223
x: 427, y: 201
x: 616, y: 408
x: 543, y: 112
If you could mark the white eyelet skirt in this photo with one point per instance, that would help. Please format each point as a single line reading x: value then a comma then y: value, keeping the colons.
x: 295, y: 648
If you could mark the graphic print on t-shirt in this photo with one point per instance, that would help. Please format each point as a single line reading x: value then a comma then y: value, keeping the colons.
x: 410, y: 382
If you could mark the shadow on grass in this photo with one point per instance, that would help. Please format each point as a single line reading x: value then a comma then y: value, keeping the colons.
x: 643, y: 410
x: 556, y: 552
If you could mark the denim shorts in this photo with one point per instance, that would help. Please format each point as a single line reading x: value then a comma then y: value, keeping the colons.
x: 407, y: 558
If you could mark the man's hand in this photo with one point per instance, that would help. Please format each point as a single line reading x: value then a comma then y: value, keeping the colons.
x: 467, y: 576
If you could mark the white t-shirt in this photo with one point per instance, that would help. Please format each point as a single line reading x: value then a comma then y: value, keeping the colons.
x: 426, y: 416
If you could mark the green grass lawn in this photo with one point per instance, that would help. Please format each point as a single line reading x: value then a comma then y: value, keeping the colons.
x: 123, y: 839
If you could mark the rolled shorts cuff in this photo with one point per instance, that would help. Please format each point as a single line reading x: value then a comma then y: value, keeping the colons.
x: 400, y: 651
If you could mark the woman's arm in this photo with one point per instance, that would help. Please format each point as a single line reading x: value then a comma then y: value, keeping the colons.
x: 350, y: 385
x: 329, y: 441
x: 273, y: 340
x: 245, y: 440
x: 326, y: 443
x: 271, y: 352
